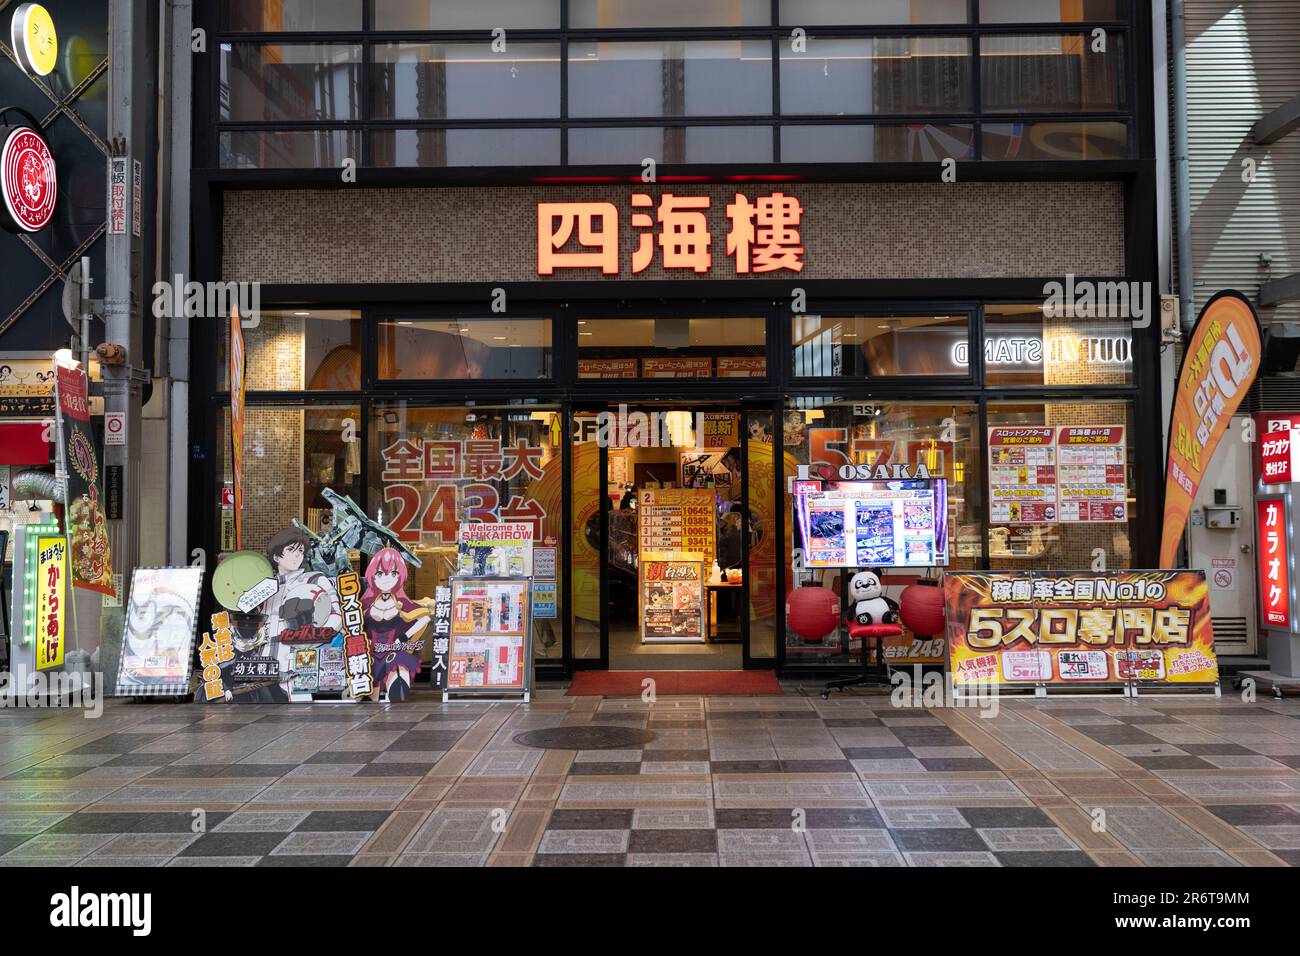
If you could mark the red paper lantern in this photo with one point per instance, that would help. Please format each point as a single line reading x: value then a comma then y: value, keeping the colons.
x: 920, y: 607
x: 812, y: 612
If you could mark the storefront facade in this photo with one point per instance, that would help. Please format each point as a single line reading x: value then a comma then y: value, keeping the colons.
x: 445, y: 321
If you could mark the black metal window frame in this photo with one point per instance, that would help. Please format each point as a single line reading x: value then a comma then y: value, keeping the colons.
x: 1126, y: 31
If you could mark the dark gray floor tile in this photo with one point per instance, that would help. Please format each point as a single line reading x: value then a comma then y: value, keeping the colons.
x: 431, y: 740
x: 291, y: 860
x: 234, y: 844
x: 1117, y: 734
x: 10, y: 840
x: 954, y: 764
x: 674, y: 756
x: 758, y: 819
x: 116, y: 744
x: 97, y: 823
x: 1292, y: 857
x: 927, y: 736
x: 343, y: 820
x: 816, y: 766
x: 604, y: 769
x: 993, y: 817
x: 142, y: 760
x: 580, y: 859
x: 1171, y: 762
x: 852, y: 722
x: 343, y: 756
x: 941, y: 839
x: 1256, y: 814
x: 826, y: 818
x: 673, y: 841
x: 1218, y: 750
x: 745, y: 766
x: 394, y: 770
x: 590, y: 820
x: 174, y: 822
x: 877, y: 753
x: 1044, y: 858
x: 185, y: 771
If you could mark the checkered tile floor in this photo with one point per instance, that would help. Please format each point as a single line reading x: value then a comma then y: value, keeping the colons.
x: 788, y: 780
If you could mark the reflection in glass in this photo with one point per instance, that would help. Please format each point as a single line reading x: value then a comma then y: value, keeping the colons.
x: 465, y: 81
x: 877, y: 345
x: 628, y: 14
x: 289, y: 81
x: 458, y: 348
x: 863, y: 75
x: 465, y: 147
x: 670, y: 78
x: 1051, y: 140
x: 290, y: 16
x: 872, y: 12
x: 305, y: 149
x: 1051, y: 11
x: 465, y: 14
x: 670, y: 144
x: 880, y: 143
x: 1051, y: 72
x: 294, y: 350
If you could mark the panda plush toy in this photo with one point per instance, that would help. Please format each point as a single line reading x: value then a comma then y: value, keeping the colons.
x: 870, y: 606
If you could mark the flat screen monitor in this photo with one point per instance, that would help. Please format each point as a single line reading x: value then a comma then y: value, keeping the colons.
x: 873, y: 524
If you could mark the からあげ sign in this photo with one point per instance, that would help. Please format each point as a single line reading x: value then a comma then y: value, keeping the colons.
x: 762, y: 234
x: 1063, y: 628
x: 28, y: 179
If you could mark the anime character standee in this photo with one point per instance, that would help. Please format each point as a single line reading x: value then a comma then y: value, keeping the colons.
x: 394, y: 623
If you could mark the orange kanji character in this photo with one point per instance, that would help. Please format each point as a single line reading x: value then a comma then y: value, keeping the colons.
x: 776, y: 238
x: 685, y: 235
x: 522, y: 458
x: 481, y: 459
x: 403, y: 461
x: 645, y: 250
x: 441, y: 459
x: 521, y: 509
x: 551, y: 238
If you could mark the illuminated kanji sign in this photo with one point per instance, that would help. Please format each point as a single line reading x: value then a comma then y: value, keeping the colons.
x: 762, y: 234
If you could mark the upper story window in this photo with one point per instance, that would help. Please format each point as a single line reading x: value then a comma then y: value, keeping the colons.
x: 581, y: 83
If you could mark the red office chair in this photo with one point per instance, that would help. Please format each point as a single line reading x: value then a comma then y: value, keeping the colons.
x: 877, y: 674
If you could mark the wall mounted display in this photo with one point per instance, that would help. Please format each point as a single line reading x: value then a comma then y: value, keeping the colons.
x: 856, y: 524
x: 158, y: 631
x: 1074, y: 628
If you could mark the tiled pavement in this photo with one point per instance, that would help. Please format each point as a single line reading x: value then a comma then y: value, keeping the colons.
x: 735, y: 781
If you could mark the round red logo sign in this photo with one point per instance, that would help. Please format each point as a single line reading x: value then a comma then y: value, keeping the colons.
x: 27, y: 179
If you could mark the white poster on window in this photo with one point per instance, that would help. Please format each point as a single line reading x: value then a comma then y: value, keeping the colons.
x: 1090, y: 463
x: 1022, y: 475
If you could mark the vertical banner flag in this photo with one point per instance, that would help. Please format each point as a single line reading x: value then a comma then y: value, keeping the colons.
x: 237, y: 422
x: 1221, y: 362
x: 88, y: 548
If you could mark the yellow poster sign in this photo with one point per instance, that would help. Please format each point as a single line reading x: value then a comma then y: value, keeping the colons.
x: 51, y: 600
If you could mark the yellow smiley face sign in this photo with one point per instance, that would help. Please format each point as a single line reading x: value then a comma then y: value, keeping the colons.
x: 34, y: 40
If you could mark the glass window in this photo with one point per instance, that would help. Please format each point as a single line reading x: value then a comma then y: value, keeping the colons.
x: 944, y: 436
x: 290, y: 16
x: 670, y: 78
x: 627, y: 14
x: 430, y: 469
x: 862, y: 75
x: 871, y: 346
x: 1053, y: 140
x: 305, y: 149
x: 465, y: 14
x: 290, y: 81
x: 295, y: 350
x: 1084, y: 507
x: 591, y: 146
x: 464, y: 348
x: 465, y: 81
x: 881, y: 143
x: 465, y: 147
x: 291, y: 454
x: 672, y: 347
x: 1051, y: 72
x: 1051, y: 11
x: 872, y: 12
x: 1034, y: 345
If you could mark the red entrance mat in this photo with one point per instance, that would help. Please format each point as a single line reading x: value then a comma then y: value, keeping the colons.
x: 673, y: 683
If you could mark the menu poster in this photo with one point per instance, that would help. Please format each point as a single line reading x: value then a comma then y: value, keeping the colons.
x: 677, y: 368
x: 672, y: 598
x: 1022, y: 475
x: 1090, y: 463
x: 862, y: 524
x: 678, y: 519
x: 490, y: 627
x: 493, y: 550
x: 754, y: 366
x: 607, y: 368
